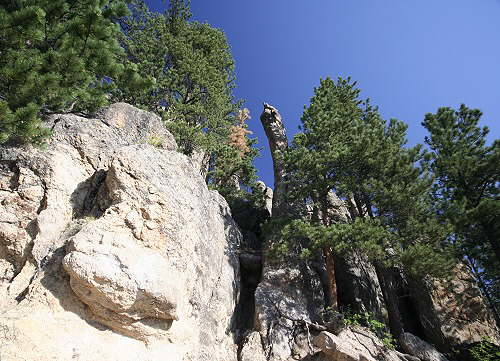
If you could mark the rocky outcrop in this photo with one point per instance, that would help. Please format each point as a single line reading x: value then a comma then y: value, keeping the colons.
x: 268, y: 196
x: 446, y: 316
x: 113, y: 248
x: 112, y: 245
x: 453, y: 312
x: 290, y: 290
x: 358, y: 286
x: 356, y: 344
x: 419, y: 348
x: 288, y: 294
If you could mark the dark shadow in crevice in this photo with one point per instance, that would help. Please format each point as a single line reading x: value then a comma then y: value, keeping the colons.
x: 244, y: 312
x: 409, y: 312
x: 249, y: 219
x: 250, y: 276
x: 89, y: 199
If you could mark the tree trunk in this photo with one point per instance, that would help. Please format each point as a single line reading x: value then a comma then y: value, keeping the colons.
x: 389, y: 291
x: 329, y: 262
x: 332, y: 283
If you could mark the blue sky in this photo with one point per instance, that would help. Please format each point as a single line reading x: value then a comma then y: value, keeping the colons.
x: 409, y: 56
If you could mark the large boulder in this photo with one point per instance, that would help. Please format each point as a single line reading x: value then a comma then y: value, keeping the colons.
x: 419, y: 348
x: 289, y: 293
x: 113, y: 248
x: 356, y: 344
x: 453, y: 312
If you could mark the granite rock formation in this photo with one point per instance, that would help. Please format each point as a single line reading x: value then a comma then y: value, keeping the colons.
x: 112, y: 247
x: 109, y: 244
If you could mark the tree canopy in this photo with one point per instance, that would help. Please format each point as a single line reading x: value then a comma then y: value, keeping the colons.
x: 188, y: 70
x: 191, y: 71
x: 466, y: 189
x: 346, y: 147
x: 55, y: 56
x: 75, y: 56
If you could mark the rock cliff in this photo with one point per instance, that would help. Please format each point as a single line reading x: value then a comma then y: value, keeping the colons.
x: 113, y: 248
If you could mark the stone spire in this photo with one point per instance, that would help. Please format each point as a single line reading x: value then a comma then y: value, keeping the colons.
x: 278, y: 142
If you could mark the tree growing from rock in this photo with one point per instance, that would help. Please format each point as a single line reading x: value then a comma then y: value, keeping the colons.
x: 466, y: 190
x: 346, y: 147
x: 191, y: 70
x: 55, y: 56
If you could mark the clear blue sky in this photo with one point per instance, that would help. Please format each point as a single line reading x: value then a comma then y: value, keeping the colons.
x: 409, y: 56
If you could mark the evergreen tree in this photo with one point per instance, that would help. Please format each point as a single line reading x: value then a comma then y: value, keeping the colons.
x: 466, y: 191
x: 347, y: 148
x: 231, y: 170
x: 189, y: 67
x: 55, y: 56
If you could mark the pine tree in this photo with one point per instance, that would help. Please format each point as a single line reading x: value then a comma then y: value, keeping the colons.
x: 55, y: 56
x: 347, y: 148
x: 190, y: 70
x: 191, y: 67
x: 466, y: 190
x: 232, y: 171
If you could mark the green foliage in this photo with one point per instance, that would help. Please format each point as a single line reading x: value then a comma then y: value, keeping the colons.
x: 88, y: 219
x: 62, y: 56
x: 346, y: 147
x: 368, y: 320
x: 55, y: 56
x: 187, y: 73
x: 190, y: 69
x: 466, y: 190
x: 156, y: 141
x: 485, y: 351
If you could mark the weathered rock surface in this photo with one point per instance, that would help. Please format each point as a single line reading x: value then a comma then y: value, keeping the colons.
x: 288, y: 293
x: 268, y: 196
x: 454, y: 312
x: 419, y: 348
x: 358, y: 285
x: 112, y: 249
x: 252, y: 348
x: 356, y: 344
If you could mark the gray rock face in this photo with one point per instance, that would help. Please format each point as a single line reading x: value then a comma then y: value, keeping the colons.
x: 356, y: 344
x: 358, y: 285
x: 112, y: 248
x: 252, y: 349
x: 288, y: 293
x: 419, y: 348
x: 110, y: 244
x: 268, y: 194
x: 453, y: 312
